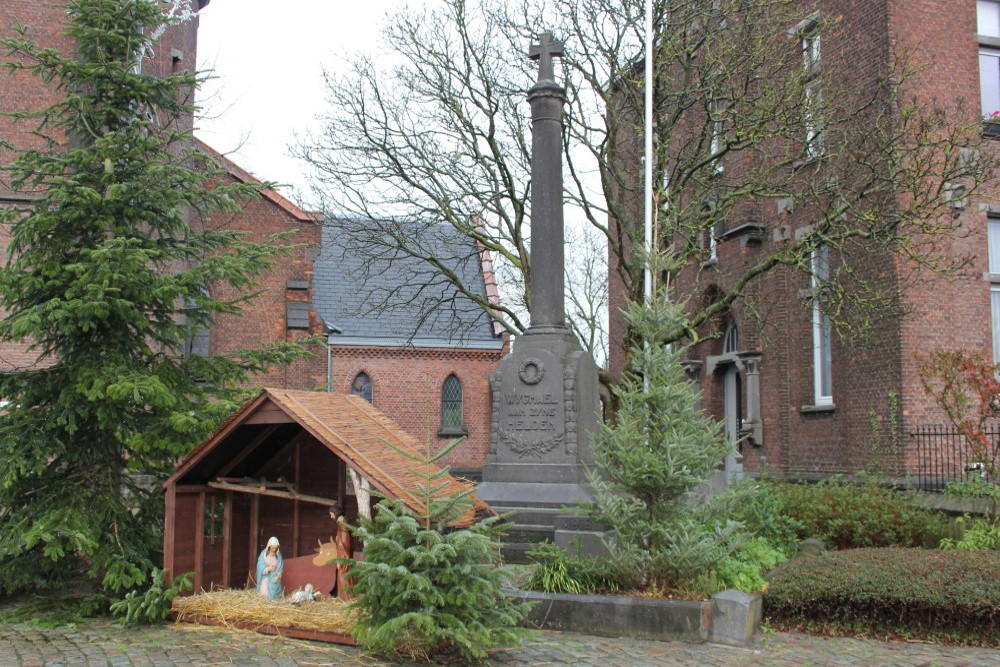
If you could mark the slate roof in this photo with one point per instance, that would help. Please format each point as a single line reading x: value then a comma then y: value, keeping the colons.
x: 371, y: 293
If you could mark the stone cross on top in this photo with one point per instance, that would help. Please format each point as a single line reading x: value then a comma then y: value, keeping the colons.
x: 543, y: 52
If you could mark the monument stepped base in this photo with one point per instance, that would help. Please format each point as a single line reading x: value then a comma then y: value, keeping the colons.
x: 535, y: 519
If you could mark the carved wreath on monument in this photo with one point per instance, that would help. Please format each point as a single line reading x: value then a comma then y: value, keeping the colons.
x: 532, y: 371
x: 536, y: 447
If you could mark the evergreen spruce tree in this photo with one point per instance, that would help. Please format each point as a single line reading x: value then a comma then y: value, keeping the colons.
x: 660, y: 447
x: 109, y: 274
x: 426, y: 589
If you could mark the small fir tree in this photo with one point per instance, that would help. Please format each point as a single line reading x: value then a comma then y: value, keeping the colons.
x: 426, y: 589
x: 660, y: 447
x: 110, y: 272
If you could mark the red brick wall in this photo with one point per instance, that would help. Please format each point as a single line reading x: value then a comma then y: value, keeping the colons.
x: 939, y: 312
x: 946, y: 313
x: 263, y: 318
x: 407, y: 384
x: 21, y: 91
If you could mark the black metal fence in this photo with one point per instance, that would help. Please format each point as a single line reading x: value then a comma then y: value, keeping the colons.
x: 943, y: 456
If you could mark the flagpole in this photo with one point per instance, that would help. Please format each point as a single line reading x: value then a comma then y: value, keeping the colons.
x: 648, y: 157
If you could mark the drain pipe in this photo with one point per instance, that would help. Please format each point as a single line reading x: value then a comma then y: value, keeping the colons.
x: 331, y: 329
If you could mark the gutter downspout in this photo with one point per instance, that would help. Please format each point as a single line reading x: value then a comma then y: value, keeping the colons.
x: 331, y: 329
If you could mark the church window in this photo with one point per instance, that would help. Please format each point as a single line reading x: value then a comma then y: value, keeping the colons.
x: 731, y: 341
x: 362, y: 386
x: 451, y: 407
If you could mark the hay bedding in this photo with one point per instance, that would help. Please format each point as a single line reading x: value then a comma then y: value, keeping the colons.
x: 249, y: 608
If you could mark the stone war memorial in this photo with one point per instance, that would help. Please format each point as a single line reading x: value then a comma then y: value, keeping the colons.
x: 545, y: 394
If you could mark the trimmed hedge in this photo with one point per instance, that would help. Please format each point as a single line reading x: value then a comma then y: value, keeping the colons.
x: 852, y: 516
x: 912, y: 592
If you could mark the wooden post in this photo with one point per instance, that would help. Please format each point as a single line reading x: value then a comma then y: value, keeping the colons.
x: 199, y: 543
x: 227, y: 540
x: 295, y: 503
x: 254, y: 537
x: 341, y: 478
x: 169, y: 533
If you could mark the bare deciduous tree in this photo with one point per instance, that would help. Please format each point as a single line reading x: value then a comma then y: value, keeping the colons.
x: 747, y: 117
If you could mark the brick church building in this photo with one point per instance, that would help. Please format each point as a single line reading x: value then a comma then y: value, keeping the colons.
x: 427, y: 371
x: 811, y: 401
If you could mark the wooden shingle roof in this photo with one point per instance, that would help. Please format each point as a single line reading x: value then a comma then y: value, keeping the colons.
x: 354, y: 430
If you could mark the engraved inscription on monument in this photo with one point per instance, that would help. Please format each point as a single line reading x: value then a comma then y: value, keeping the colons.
x: 532, y: 420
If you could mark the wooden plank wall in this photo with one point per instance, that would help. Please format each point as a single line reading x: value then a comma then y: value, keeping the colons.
x: 186, y: 505
x: 241, y: 569
x: 228, y: 554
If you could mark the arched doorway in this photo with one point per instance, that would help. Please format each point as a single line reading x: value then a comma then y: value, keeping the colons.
x: 732, y: 383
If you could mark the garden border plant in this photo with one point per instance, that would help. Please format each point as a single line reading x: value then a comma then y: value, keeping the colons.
x: 915, y: 593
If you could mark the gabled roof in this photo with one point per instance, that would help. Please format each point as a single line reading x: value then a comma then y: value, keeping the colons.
x: 373, y: 293
x: 244, y: 176
x: 352, y: 429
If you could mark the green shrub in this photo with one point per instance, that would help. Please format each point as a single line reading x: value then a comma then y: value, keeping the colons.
x: 982, y: 534
x: 761, y: 508
x: 558, y: 572
x: 911, y: 592
x: 153, y: 604
x: 851, y: 516
x: 426, y: 588
x: 744, y: 570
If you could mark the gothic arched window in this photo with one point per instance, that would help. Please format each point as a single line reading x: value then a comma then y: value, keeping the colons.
x: 451, y: 407
x: 731, y: 341
x: 362, y: 386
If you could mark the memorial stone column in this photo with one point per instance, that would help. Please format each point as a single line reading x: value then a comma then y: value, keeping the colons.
x: 545, y: 393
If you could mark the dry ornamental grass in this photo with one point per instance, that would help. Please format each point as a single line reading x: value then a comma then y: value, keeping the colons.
x: 249, y: 608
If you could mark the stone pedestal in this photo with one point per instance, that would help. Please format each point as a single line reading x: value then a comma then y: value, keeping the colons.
x: 545, y: 410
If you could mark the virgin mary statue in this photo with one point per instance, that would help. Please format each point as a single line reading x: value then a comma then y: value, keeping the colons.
x: 270, y: 565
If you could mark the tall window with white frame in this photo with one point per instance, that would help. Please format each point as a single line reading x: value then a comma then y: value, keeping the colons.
x: 988, y: 29
x: 809, y: 42
x: 993, y: 241
x: 716, y: 144
x: 821, y: 330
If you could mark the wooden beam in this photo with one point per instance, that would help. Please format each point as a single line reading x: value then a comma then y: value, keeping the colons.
x: 202, y: 450
x: 252, y: 483
x: 299, y: 437
x: 272, y: 493
x: 264, y: 435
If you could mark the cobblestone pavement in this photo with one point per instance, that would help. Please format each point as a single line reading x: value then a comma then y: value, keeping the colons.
x: 101, y: 643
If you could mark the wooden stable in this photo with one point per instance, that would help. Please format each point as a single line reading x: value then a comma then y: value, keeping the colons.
x: 274, y: 468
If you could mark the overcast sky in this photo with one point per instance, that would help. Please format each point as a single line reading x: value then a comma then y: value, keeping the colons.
x: 268, y: 59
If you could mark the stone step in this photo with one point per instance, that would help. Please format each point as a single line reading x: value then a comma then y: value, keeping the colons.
x: 529, y: 534
x: 540, y: 516
x: 516, y: 552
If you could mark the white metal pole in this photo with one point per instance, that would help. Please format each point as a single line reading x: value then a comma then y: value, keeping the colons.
x: 648, y: 156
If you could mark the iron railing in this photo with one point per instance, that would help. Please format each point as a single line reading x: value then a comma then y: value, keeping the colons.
x: 943, y: 456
